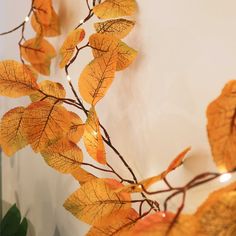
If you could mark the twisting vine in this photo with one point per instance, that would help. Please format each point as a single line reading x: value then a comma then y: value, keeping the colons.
x: 54, y: 131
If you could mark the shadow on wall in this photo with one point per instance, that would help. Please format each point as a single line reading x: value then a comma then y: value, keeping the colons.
x: 56, y: 233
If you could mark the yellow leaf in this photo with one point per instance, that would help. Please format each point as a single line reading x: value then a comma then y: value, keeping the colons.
x: 94, y: 200
x: 37, y: 51
x: 221, y: 127
x: 43, y: 11
x: 76, y: 130
x: 83, y: 176
x: 64, y: 159
x: 102, y: 43
x: 118, y: 28
x: 44, y: 123
x: 216, y: 216
x: 119, y: 222
x: 152, y: 180
x: 93, y: 139
x: 49, y: 30
x: 97, y: 77
x: 49, y: 89
x: 115, y: 8
x: 11, y: 136
x: 16, y: 79
x: 68, y: 48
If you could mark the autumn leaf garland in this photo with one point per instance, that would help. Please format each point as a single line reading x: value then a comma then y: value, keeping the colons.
x: 51, y: 129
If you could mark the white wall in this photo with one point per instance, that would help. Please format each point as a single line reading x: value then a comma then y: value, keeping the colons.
x: 156, y: 108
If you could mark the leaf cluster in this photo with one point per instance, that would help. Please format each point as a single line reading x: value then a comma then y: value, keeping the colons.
x: 52, y: 129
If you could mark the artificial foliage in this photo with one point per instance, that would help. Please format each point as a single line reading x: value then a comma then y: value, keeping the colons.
x: 114, y: 205
x: 12, y: 223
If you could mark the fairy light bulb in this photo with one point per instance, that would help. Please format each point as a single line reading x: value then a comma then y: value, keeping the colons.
x: 81, y: 21
x: 26, y: 19
x: 225, y: 177
x: 163, y: 214
x: 68, y: 78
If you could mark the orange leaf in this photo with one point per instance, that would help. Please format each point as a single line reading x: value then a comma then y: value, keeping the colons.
x: 44, y: 123
x: 50, y: 91
x: 158, y: 224
x: 120, y: 222
x: 94, y: 200
x: 37, y: 51
x: 93, y: 139
x: 97, y: 77
x: 221, y: 127
x: 83, y: 176
x: 68, y: 48
x: 63, y: 158
x: 11, y: 135
x: 43, y: 11
x: 16, y: 80
x: 43, y: 68
x: 49, y: 30
x: 216, y: 216
x: 115, y: 8
x: 102, y: 43
x: 76, y: 130
x: 152, y: 180
x: 118, y: 28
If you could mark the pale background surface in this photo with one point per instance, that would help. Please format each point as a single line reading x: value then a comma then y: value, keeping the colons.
x: 156, y: 108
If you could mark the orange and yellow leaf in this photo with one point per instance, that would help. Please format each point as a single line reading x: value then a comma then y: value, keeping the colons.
x: 94, y: 200
x: 97, y: 77
x: 117, y: 223
x: 118, y: 28
x: 43, y: 11
x: 146, y: 183
x: 93, y: 139
x: 83, y: 176
x: 37, y: 51
x: 16, y: 79
x: 68, y: 48
x: 42, y: 68
x: 11, y: 135
x: 47, y: 30
x: 216, y: 216
x: 76, y: 130
x: 49, y: 91
x: 115, y: 8
x: 44, y: 123
x: 102, y: 43
x: 221, y: 127
x: 63, y: 159
x: 158, y: 225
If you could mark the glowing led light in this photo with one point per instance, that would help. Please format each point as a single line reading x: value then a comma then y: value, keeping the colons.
x: 26, y: 19
x: 94, y: 133
x: 163, y: 214
x: 68, y: 78
x: 225, y: 177
x: 81, y: 21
